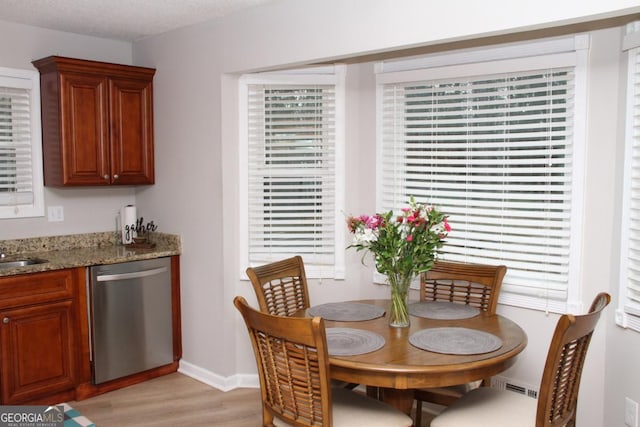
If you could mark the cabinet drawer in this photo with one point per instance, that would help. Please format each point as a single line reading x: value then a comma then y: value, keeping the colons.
x: 33, y: 288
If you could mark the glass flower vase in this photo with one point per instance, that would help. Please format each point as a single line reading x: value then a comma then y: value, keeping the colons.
x: 398, y: 313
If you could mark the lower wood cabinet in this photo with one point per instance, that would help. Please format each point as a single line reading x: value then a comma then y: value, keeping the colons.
x: 44, y: 338
x: 40, y: 336
x: 38, y: 351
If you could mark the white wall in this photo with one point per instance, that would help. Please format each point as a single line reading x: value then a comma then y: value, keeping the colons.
x: 85, y: 210
x: 196, y: 133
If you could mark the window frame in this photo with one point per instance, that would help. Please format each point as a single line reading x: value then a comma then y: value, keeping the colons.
x: 480, y: 62
x: 628, y: 310
x: 327, y: 75
x: 29, y: 80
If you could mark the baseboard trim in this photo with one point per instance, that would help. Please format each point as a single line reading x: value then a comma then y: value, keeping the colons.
x: 217, y: 381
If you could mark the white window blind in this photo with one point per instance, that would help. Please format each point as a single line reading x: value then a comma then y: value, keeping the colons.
x: 628, y: 313
x: 20, y: 150
x: 292, y: 186
x: 496, y: 152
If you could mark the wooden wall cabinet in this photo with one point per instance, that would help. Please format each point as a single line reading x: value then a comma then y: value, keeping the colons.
x: 97, y: 122
x: 41, y: 344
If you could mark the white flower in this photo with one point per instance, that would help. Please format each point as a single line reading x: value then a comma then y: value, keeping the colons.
x: 364, y: 236
x: 438, y: 228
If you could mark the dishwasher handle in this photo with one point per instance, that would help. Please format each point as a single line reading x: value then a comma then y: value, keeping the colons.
x: 133, y: 275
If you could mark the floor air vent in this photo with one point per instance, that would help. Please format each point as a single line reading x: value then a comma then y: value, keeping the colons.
x: 503, y: 383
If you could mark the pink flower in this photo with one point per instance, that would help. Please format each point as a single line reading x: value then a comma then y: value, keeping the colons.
x: 417, y: 232
x: 373, y: 222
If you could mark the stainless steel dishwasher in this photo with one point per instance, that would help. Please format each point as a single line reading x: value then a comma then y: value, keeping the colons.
x: 131, y: 318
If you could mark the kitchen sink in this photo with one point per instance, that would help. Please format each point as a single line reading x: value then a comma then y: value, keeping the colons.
x: 13, y: 263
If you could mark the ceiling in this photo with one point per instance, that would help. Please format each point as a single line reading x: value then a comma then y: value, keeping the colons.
x: 128, y: 20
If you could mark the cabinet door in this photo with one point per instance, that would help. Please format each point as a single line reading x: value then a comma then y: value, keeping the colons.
x: 38, y: 351
x: 85, y: 143
x: 131, y: 111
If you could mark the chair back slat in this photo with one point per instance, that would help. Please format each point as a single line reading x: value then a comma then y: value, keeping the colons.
x: 281, y: 286
x: 477, y: 285
x: 563, y: 368
x: 293, y: 366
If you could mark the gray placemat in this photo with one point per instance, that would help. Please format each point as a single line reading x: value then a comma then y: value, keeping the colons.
x: 442, y: 310
x: 346, y: 311
x: 351, y: 341
x: 459, y: 341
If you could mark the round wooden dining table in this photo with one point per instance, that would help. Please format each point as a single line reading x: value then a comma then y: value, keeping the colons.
x: 398, y: 366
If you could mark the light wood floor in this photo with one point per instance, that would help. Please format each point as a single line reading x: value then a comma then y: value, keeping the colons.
x: 176, y: 400
x: 173, y: 400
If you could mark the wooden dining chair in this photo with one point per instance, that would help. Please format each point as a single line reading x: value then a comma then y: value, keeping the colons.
x: 293, y: 366
x: 477, y: 285
x: 281, y: 289
x: 558, y: 396
x: 281, y: 286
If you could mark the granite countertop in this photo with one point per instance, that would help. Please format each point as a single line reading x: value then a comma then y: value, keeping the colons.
x: 82, y: 250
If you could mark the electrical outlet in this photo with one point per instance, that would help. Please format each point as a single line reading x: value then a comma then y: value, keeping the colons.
x: 55, y: 213
x: 630, y: 412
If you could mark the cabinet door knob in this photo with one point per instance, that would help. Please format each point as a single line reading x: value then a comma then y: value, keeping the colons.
x: 106, y: 177
x: 115, y: 176
x: 6, y: 320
